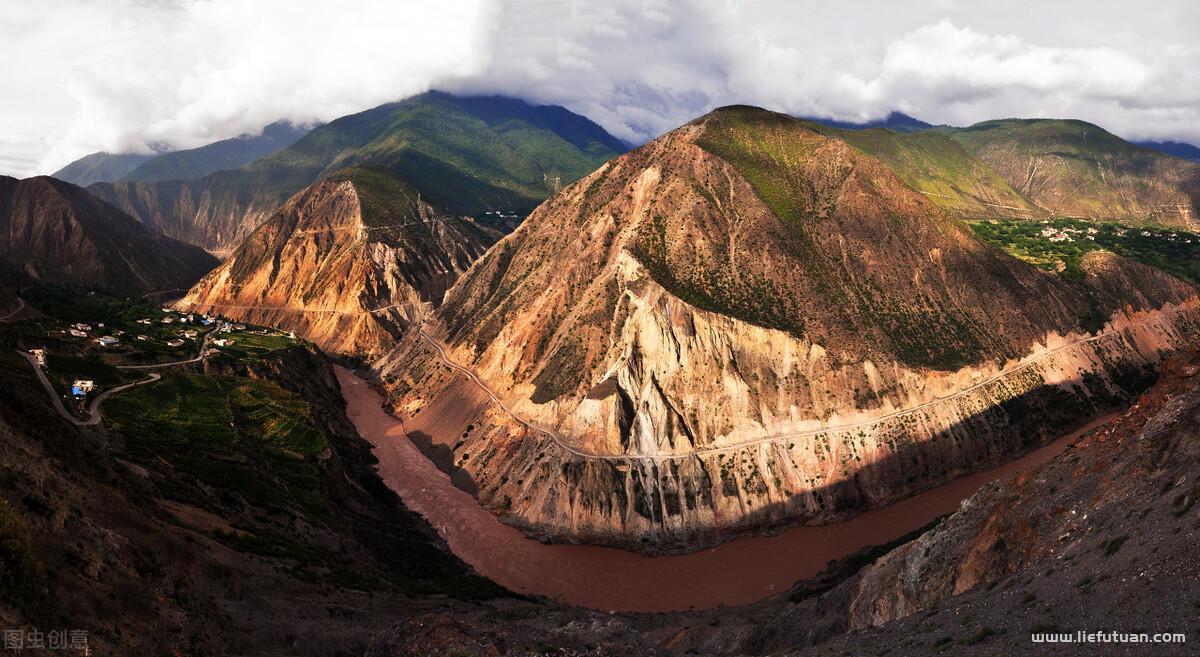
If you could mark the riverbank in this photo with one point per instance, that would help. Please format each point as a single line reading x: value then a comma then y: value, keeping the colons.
x: 733, y: 573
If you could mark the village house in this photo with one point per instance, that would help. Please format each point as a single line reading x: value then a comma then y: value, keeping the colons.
x: 175, y: 343
x: 77, y: 333
x: 39, y: 356
x: 82, y: 387
x: 107, y: 341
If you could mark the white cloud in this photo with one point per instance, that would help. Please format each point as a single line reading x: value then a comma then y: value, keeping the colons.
x: 185, y: 72
x: 129, y: 75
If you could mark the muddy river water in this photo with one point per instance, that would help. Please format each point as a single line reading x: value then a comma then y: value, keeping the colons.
x: 737, y: 572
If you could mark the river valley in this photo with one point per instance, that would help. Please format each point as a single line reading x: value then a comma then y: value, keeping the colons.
x: 737, y: 572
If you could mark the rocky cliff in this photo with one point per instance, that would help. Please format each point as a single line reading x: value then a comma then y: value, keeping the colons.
x: 748, y: 323
x: 346, y: 263
x: 59, y: 233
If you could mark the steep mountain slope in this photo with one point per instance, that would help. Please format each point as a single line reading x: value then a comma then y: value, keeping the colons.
x: 1078, y: 169
x: 468, y: 155
x: 747, y: 322
x: 346, y: 263
x: 57, y: 232
x: 942, y: 170
x: 217, y: 156
x: 101, y: 167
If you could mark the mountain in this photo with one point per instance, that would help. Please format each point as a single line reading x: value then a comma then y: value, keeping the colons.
x: 1077, y: 169
x: 467, y: 155
x: 1173, y: 148
x: 942, y: 170
x: 59, y: 233
x: 898, y: 121
x: 1104, y: 530
x: 748, y: 322
x: 101, y: 167
x: 347, y: 263
x: 217, y: 156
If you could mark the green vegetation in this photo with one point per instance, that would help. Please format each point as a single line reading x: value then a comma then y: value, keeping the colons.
x: 1062, y: 137
x: 251, y: 344
x: 70, y: 305
x: 225, y: 154
x: 1171, y: 250
x: 226, y: 432
x: 943, y: 170
x: 465, y: 154
x: 1074, y: 168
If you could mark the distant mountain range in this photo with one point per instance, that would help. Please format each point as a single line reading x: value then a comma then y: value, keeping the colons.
x: 184, y: 164
x: 101, y: 167
x: 897, y: 121
x: 466, y: 155
x: 1176, y: 148
x: 225, y: 154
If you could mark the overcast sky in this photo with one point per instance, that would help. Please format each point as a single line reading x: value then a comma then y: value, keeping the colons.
x: 132, y: 75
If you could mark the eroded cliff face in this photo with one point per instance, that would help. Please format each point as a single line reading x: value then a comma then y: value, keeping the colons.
x: 677, y: 349
x: 347, y: 264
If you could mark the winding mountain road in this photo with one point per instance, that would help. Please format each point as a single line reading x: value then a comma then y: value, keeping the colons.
x: 14, y: 313
x: 558, y: 439
x: 93, y: 408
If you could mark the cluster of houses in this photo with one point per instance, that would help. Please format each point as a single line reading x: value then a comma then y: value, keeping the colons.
x: 1068, y: 234
x: 82, y: 330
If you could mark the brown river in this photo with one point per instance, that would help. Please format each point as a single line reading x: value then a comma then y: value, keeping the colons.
x: 737, y: 572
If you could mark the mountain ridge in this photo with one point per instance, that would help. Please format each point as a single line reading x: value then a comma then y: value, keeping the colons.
x: 465, y: 154
x: 191, y: 163
x: 749, y: 274
x: 347, y: 263
x: 59, y: 233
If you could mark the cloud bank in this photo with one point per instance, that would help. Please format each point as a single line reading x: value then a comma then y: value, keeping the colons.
x: 141, y: 74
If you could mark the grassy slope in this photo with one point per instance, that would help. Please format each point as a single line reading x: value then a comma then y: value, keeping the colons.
x: 1076, y: 168
x: 225, y: 154
x: 940, y: 168
x: 228, y: 432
